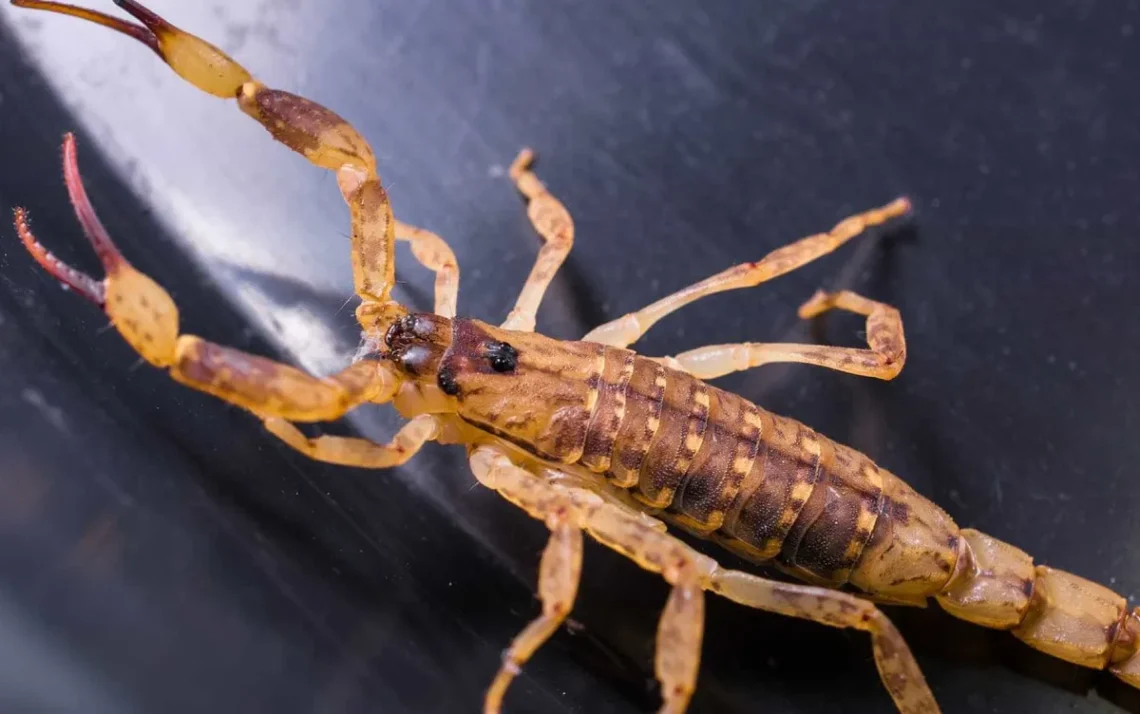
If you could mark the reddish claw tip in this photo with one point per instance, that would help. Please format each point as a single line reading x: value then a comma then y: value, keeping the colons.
x: 81, y: 283
x: 154, y: 24
x: 142, y: 34
x: 93, y: 228
x: 143, y: 14
x: 109, y: 255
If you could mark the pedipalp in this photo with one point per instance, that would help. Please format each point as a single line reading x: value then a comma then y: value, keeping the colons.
x: 147, y: 318
x: 313, y: 131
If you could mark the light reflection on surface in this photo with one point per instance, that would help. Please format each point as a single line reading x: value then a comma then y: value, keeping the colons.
x: 269, y: 228
x: 183, y: 151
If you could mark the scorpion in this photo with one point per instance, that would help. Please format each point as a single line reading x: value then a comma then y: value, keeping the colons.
x: 588, y: 436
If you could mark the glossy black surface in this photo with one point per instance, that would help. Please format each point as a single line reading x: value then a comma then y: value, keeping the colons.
x: 160, y: 553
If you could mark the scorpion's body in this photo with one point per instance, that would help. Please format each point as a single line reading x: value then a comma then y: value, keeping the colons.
x: 590, y: 436
x: 767, y: 487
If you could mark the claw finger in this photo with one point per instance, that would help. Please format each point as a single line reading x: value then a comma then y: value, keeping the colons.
x: 93, y: 228
x: 138, y: 32
x: 80, y: 282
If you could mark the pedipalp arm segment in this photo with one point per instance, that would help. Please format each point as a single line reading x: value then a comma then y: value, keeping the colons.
x: 313, y: 131
x: 147, y: 318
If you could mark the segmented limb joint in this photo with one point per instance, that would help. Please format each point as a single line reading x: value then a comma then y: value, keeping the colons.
x: 313, y: 131
x: 883, y: 358
x: 554, y: 225
x: 361, y: 453
x: 436, y: 255
x: 628, y: 328
x: 147, y: 318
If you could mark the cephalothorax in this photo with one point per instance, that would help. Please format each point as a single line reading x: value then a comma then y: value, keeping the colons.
x: 590, y: 436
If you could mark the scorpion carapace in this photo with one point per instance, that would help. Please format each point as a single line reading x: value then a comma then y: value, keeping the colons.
x: 589, y: 436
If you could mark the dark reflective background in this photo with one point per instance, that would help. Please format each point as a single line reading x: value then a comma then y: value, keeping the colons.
x: 159, y: 553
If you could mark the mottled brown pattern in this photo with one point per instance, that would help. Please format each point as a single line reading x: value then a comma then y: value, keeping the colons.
x: 813, y: 508
x: 791, y: 468
x: 613, y: 386
x: 267, y: 387
x: 372, y: 237
x: 666, y: 464
x: 848, y: 494
x: 725, y: 456
x: 759, y: 484
x: 645, y: 400
x: 552, y: 377
x: 307, y: 127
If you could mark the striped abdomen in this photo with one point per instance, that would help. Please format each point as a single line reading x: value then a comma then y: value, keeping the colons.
x: 766, y: 486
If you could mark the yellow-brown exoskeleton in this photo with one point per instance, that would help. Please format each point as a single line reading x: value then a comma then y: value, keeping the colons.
x: 590, y: 436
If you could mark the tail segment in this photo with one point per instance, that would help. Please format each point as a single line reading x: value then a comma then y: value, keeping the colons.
x: 996, y: 585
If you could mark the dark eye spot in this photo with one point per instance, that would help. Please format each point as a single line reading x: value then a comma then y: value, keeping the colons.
x: 399, y: 326
x: 503, y: 357
x: 447, y: 382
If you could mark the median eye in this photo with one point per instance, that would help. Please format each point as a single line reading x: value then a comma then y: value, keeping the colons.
x: 503, y: 357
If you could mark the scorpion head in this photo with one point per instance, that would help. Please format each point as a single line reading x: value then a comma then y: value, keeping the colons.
x: 526, y: 388
x: 531, y: 390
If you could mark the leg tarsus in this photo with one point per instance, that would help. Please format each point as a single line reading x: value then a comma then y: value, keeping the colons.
x: 883, y: 358
x: 628, y: 328
x: 553, y: 223
x: 525, y: 179
x: 435, y: 255
x: 559, y: 574
x: 897, y: 667
x: 886, y: 339
x: 361, y: 453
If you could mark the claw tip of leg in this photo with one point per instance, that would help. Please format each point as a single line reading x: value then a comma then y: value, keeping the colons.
x: 522, y: 162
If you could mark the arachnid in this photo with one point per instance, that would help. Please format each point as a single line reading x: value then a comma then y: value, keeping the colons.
x: 589, y: 436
